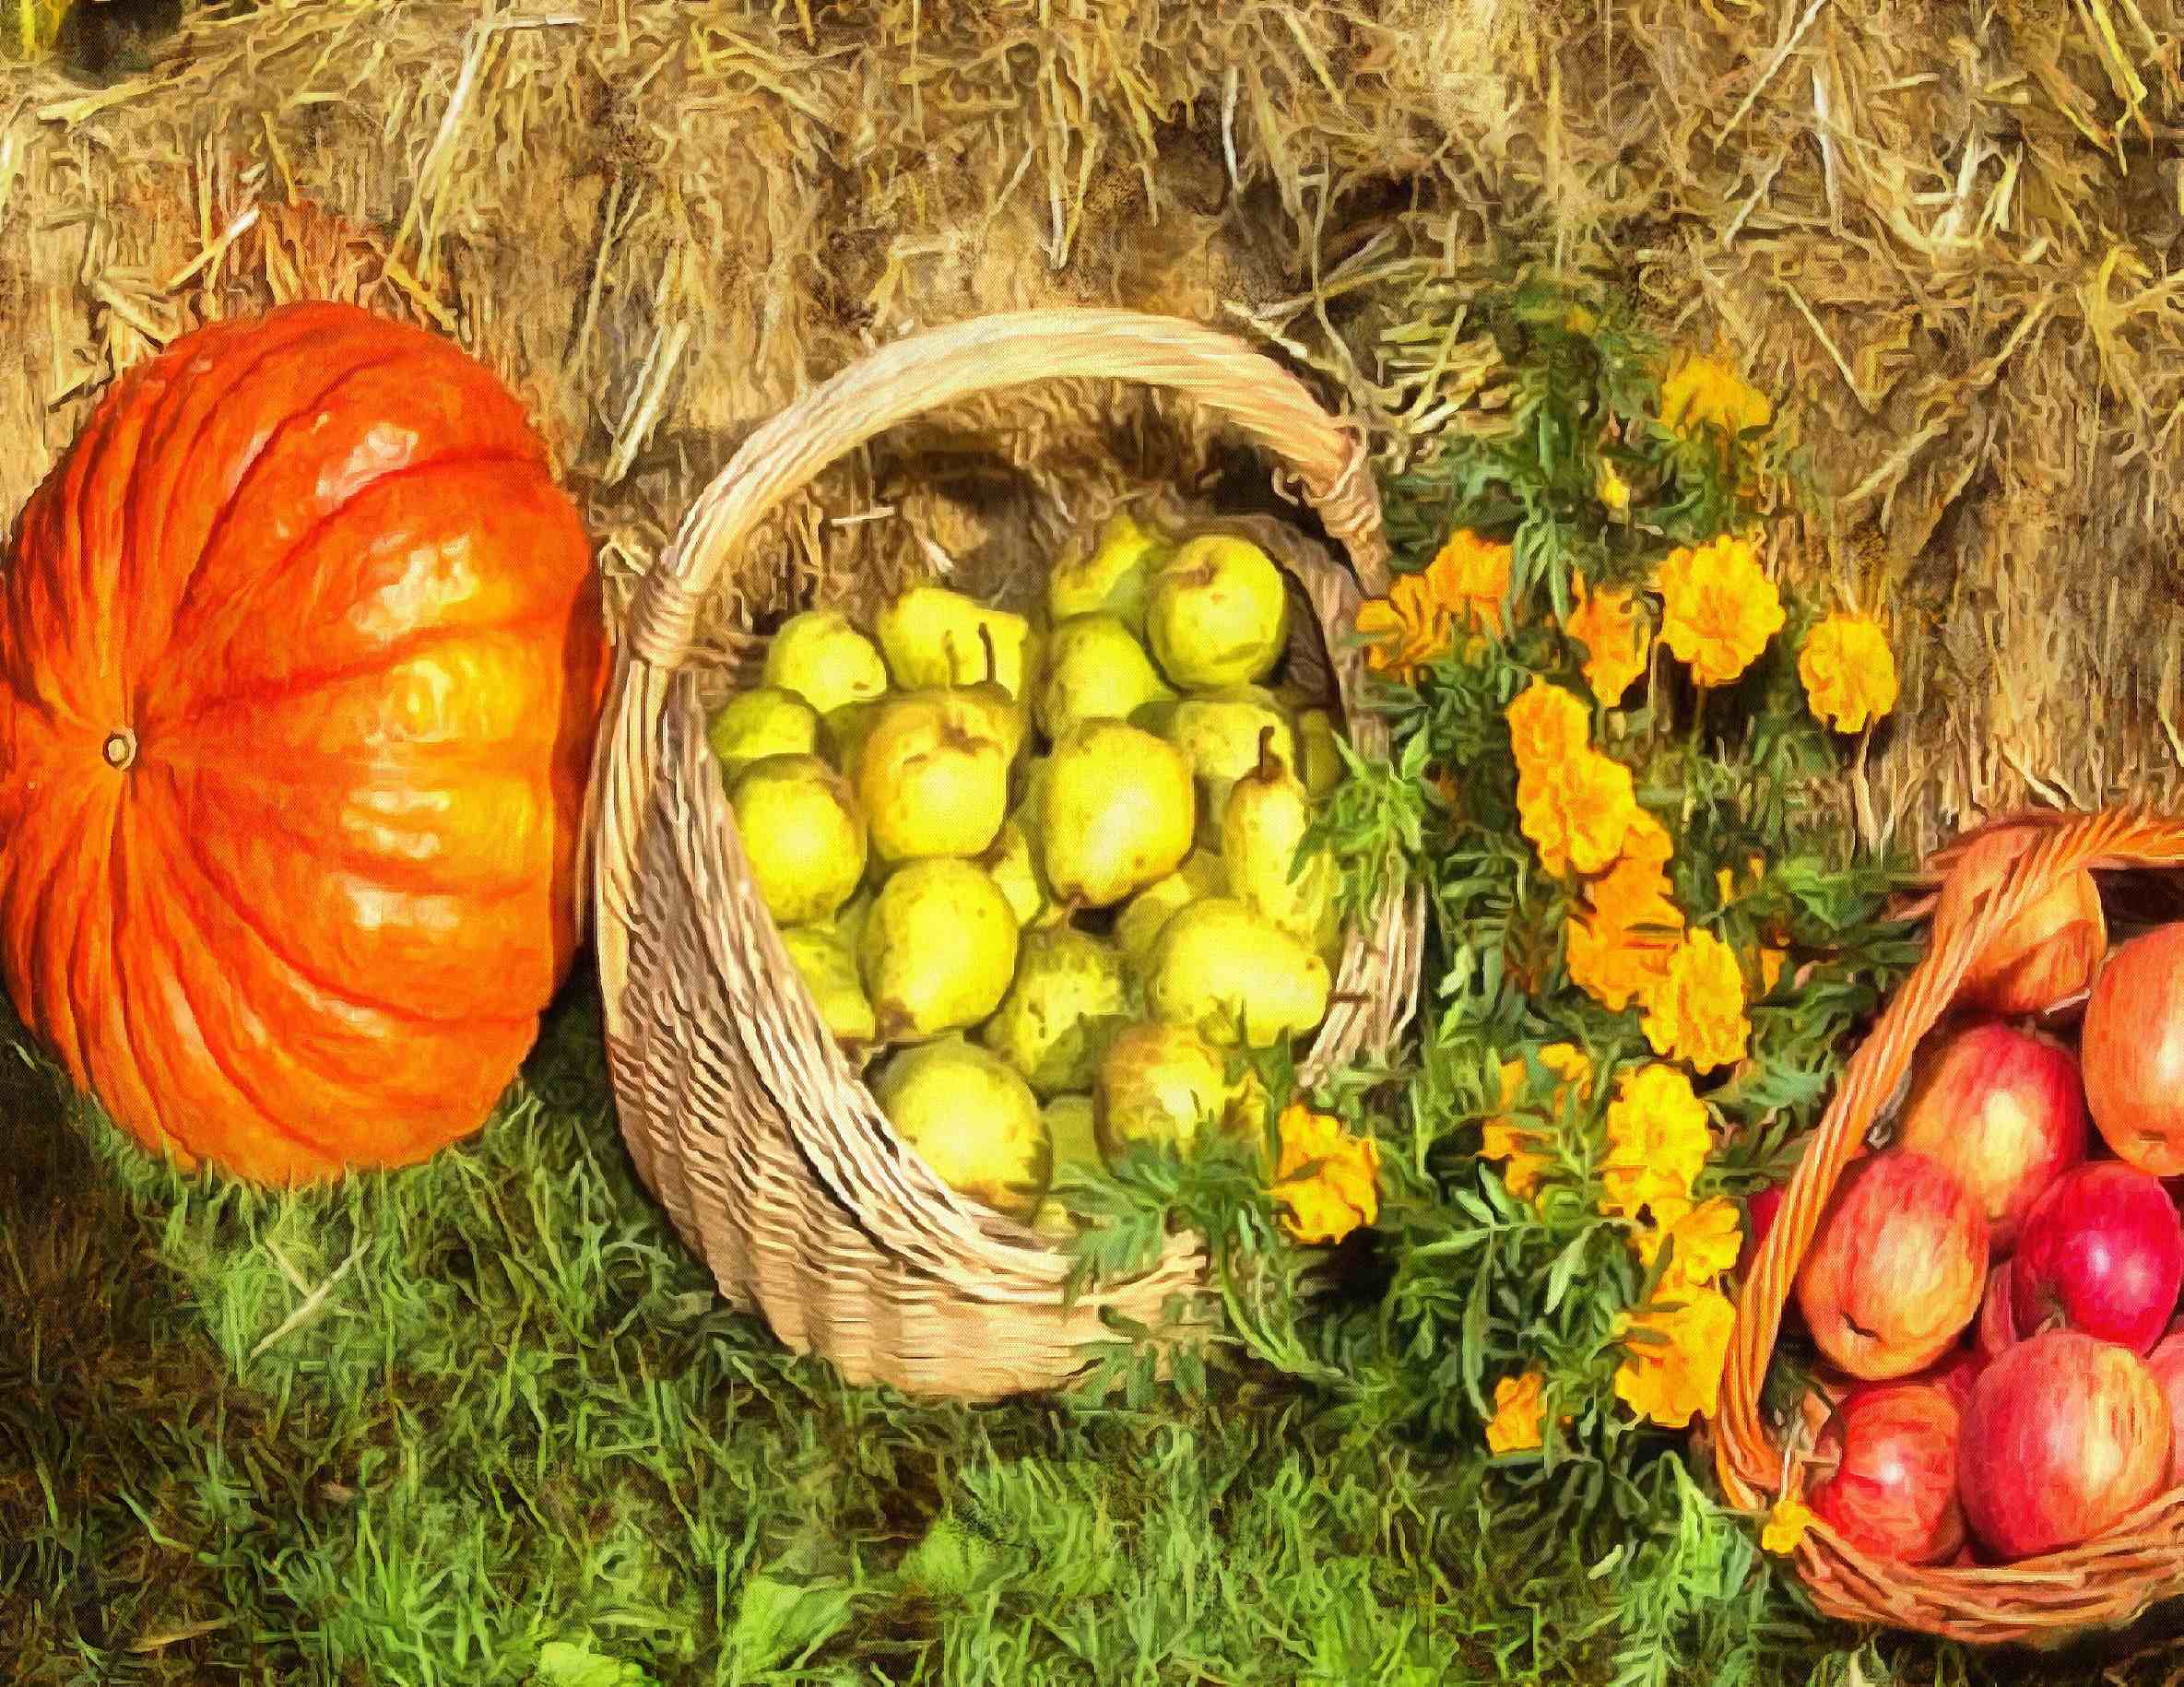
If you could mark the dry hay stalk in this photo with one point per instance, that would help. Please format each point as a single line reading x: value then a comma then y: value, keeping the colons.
x: 1941, y: 230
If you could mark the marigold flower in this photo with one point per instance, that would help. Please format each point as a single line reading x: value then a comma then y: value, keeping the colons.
x: 1341, y: 1190
x: 1516, y: 1413
x: 1548, y: 726
x: 1516, y: 1145
x: 1697, y: 1014
x: 1719, y: 608
x: 1705, y: 392
x: 1469, y: 579
x: 1616, y: 648
x: 1667, y: 1381
x: 1397, y: 642
x: 1658, y: 1141
x: 1787, y: 1524
x: 1620, y: 943
x: 1771, y: 958
x: 1706, y: 1241
x: 1849, y: 670
x: 1579, y: 816
x: 1611, y: 489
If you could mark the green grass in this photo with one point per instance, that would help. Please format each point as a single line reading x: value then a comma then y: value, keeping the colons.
x: 482, y: 1420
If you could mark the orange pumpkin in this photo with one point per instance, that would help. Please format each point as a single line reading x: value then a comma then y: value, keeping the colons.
x: 301, y: 663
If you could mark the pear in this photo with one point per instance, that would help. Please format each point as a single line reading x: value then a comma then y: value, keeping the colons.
x: 1071, y: 1130
x: 933, y: 777
x: 1068, y: 992
x: 1315, y: 747
x: 1216, y: 613
x: 1015, y: 866
x: 1010, y: 715
x: 848, y: 923
x: 930, y: 638
x: 803, y: 833
x: 1262, y: 831
x: 938, y: 951
x: 1116, y: 813
x: 1138, y: 924
x: 1111, y: 579
x: 1219, y: 969
x: 825, y: 660
x: 1220, y: 733
x: 973, y: 1120
x: 764, y: 721
x: 830, y: 971
x: 1095, y: 670
x: 1156, y: 1083
x: 844, y: 731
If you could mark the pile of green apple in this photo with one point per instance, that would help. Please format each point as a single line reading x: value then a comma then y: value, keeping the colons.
x: 1048, y: 870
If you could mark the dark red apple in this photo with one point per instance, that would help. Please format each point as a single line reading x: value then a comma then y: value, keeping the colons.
x: 2004, y: 1110
x: 1896, y: 1268
x: 2065, y: 1434
x: 2167, y: 1363
x: 1998, y: 1324
x: 2101, y: 1251
x: 1954, y: 1373
x: 2048, y: 953
x: 1893, y: 1491
x: 2132, y: 1050
x: 1759, y: 1219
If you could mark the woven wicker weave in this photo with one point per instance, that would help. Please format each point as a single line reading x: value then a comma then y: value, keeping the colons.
x: 742, y: 1113
x: 2103, y: 1583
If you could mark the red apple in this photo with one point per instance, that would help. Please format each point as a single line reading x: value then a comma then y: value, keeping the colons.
x: 2101, y: 1251
x: 1896, y: 1268
x: 1998, y: 1324
x: 2132, y: 1050
x: 2167, y: 1363
x: 2004, y: 1110
x: 1893, y: 1491
x: 1759, y: 1219
x: 2065, y: 1434
x: 2048, y: 953
x: 1954, y: 1373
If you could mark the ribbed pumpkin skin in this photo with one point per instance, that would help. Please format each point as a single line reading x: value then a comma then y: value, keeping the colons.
x: 316, y: 565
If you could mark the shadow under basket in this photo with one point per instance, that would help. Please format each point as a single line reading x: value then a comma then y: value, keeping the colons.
x: 746, y: 1118
x: 2055, y: 1599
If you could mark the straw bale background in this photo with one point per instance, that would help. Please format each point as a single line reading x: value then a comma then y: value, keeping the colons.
x: 1943, y: 233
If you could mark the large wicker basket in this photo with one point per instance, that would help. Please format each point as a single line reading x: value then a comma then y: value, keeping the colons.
x: 2107, y: 1582
x: 743, y: 1114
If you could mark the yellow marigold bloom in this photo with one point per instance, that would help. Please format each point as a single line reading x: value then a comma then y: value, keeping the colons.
x: 1616, y: 648
x: 1666, y: 1383
x: 1341, y: 1192
x: 1771, y: 958
x: 1516, y: 1413
x: 1719, y: 608
x: 1786, y: 1526
x: 1620, y: 942
x: 1658, y: 1141
x: 1579, y: 816
x: 1849, y: 670
x: 1725, y: 879
x: 1518, y: 1144
x: 1697, y: 1015
x: 1611, y: 489
x: 1468, y: 578
x: 1705, y: 392
x: 1706, y: 1241
x: 1548, y: 726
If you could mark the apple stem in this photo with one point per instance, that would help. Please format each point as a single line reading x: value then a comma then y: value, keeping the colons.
x: 1268, y: 766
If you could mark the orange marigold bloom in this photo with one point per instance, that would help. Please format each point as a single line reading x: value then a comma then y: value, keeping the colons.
x: 1518, y: 1146
x: 1719, y: 608
x: 1397, y: 642
x: 1616, y: 647
x: 1341, y: 1192
x: 1548, y: 726
x: 1579, y: 816
x: 1705, y: 392
x: 1516, y: 1413
x: 1666, y: 1382
x: 1619, y: 944
x: 1657, y: 1142
x: 1697, y: 1015
x: 1849, y: 670
x: 1771, y: 958
x: 1469, y: 579
x: 1707, y: 1242
x: 1786, y: 1526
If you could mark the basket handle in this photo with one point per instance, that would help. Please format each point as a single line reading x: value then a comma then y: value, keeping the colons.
x: 905, y: 378
x: 1964, y: 924
x: 926, y: 371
